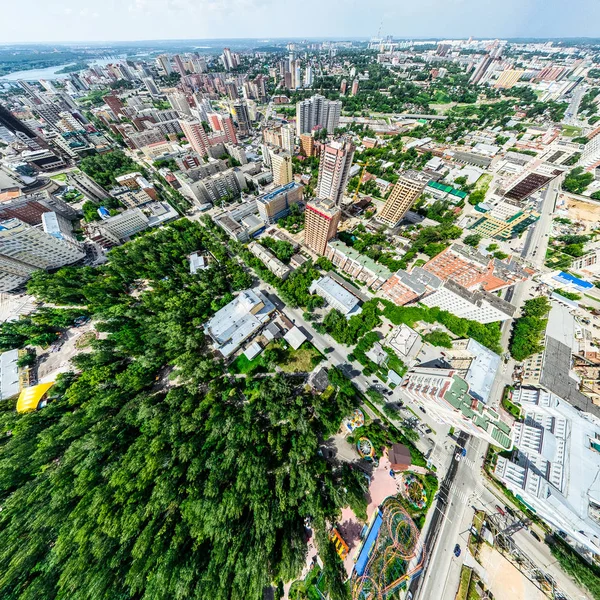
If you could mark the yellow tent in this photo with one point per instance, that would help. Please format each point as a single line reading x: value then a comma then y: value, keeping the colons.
x: 30, y: 397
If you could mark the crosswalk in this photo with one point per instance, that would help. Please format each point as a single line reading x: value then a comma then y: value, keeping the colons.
x: 457, y: 492
x: 468, y: 462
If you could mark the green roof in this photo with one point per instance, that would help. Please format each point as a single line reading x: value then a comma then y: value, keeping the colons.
x: 481, y: 423
x: 502, y: 426
x: 502, y: 439
x: 448, y: 189
x: 365, y: 261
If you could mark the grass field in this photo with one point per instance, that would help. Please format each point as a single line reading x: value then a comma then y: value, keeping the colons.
x: 571, y: 130
x: 61, y: 177
x: 288, y: 360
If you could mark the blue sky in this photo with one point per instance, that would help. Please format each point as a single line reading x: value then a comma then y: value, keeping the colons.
x: 99, y: 20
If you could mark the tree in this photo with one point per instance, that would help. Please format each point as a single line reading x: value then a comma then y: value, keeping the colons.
x: 472, y: 240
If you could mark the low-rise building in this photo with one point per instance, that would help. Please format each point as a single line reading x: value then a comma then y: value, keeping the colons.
x: 554, y: 467
x: 239, y: 320
x: 357, y: 265
x: 404, y: 287
x: 336, y: 295
x: 242, y: 222
x: 270, y: 261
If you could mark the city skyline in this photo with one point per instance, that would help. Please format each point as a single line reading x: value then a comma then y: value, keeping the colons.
x: 145, y: 20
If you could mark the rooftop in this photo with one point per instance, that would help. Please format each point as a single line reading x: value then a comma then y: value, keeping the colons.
x: 238, y: 320
x: 362, y: 259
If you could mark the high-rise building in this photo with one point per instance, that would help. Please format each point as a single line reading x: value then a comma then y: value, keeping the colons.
x: 408, y: 188
x: 32, y: 246
x: 334, y: 170
x: 508, y: 78
x: 354, y: 90
x: 317, y: 111
x: 308, y: 76
x: 163, y: 63
x: 179, y: 66
x: 480, y: 69
x: 196, y: 136
x: 281, y: 136
x: 321, y: 220
x: 232, y: 90
x: 281, y: 166
x: 343, y: 87
x: 178, y: 102
x: 240, y: 113
x: 151, y: 86
x: 307, y: 144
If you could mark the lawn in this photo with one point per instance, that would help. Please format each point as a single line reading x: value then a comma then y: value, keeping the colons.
x: 62, y: 177
x: 571, y: 130
x: 465, y: 579
x: 279, y: 354
x: 511, y: 408
x: 302, y: 360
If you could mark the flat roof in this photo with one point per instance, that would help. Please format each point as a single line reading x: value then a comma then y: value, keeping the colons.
x: 362, y: 259
x: 9, y: 374
x: 482, y: 371
x: 334, y: 289
x: 295, y: 338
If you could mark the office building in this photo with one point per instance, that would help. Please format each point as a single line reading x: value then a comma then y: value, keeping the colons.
x: 13, y: 273
x: 179, y: 102
x: 32, y: 246
x: 239, y: 320
x: 116, y: 105
x: 276, y: 204
x: 554, y: 467
x: 317, y: 111
x: 449, y: 398
x: 406, y: 191
x: 334, y: 170
x: 281, y: 166
x: 196, y: 136
x: 321, y: 220
x: 119, y: 228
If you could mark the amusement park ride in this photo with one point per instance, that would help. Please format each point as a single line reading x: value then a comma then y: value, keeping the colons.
x: 390, y: 556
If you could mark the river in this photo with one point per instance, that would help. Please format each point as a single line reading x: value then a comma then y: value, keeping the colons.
x: 50, y: 73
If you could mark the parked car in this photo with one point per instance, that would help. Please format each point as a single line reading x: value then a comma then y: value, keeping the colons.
x: 457, y: 550
x: 535, y: 535
x: 422, y: 410
x: 427, y: 429
x: 500, y: 510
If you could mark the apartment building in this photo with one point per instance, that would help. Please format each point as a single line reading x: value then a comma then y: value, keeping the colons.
x: 321, y: 220
x: 407, y: 189
x: 334, y: 170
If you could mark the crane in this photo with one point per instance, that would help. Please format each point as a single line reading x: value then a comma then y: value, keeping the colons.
x: 364, y: 165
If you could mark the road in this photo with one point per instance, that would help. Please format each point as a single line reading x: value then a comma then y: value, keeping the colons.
x: 534, y: 253
x: 573, y: 108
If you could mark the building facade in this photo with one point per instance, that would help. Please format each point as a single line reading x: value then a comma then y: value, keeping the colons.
x: 321, y: 221
x: 408, y: 188
x: 334, y: 170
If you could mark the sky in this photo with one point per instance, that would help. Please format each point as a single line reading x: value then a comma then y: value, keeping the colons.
x: 129, y: 20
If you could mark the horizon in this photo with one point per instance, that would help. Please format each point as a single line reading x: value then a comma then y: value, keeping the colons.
x: 154, y: 20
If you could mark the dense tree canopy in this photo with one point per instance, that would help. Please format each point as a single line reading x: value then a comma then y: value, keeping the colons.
x: 152, y: 474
